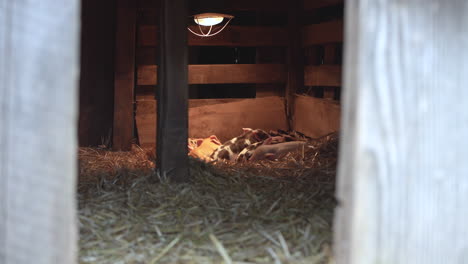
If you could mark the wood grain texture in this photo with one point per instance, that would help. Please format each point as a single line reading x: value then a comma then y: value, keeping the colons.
x: 221, y: 73
x: 233, y: 36
x: 328, y: 32
x: 324, y: 75
x: 224, y: 118
x: 315, y: 117
x: 402, y: 181
x: 39, y: 66
x: 124, y: 75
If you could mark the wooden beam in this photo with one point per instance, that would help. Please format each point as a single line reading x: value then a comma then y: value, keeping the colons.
x: 314, y: 4
x: 328, y: 32
x: 172, y: 93
x: 402, y: 176
x: 221, y: 73
x: 324, y: 75
x: 295, y: 62
x: 124, y: 75
x: 39, y: 66
x: 235, y: 36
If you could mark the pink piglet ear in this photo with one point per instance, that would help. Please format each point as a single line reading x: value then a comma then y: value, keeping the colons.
x: 215, y: 140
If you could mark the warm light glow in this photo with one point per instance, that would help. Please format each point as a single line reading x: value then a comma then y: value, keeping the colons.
x: 209, y: 21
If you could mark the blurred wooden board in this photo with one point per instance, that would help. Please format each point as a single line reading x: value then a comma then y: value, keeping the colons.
x: 221, y: 73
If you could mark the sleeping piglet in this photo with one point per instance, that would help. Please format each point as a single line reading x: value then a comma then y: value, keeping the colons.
x: 275, y: 151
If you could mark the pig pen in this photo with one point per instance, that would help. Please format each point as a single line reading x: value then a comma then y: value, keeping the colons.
x: 253, y: 212
x: 263, y: 212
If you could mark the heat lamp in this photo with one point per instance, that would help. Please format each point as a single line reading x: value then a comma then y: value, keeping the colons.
x: 208, y: 21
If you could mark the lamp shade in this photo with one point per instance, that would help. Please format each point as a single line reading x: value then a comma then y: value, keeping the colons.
x: 210, y: 19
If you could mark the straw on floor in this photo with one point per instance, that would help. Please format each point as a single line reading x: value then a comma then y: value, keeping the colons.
x: 265, y: 212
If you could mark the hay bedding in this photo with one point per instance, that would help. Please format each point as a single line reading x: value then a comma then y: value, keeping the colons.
x: 265, y: 212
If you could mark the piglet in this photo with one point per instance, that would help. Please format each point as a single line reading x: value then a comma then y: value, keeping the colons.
x: 275, y: 151
x: 231, y: 148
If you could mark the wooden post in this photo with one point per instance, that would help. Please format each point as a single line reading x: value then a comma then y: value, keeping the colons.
x: 124, y: 74
x: 172, y: 92
x: 39, y: 69
x: 295, y: 57
x: 402, y: 183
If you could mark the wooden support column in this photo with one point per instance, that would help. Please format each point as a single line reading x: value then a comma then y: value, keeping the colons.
x: 329, y: 58
x: 402, y: 181
x: 39, y: 71
x: 172, y: 93
x: 124, y: 75
x: 295, y: 62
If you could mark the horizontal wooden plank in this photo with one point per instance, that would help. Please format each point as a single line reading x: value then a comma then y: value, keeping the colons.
x: 224, y: 118
x: 324, y: 75
x: 238, y: 36
x: 315, y: 117
x: 221, y: 73
x: 329, y: 32
x: 314, y: 4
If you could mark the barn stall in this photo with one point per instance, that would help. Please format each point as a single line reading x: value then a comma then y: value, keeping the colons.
x: 273, y: 67
x: 401, y: 181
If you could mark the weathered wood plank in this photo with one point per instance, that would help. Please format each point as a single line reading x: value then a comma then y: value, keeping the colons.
x: 237, y: 36
x: 402, y: 180
x: 124, y: 75
x: 221, y: 73
x: 224, y: 118
x: 328, y: 32
x: 315, y: 117
x: 172, y: 92
x: 39, y: 66
x: 324, y: 75
x: 314, y: 4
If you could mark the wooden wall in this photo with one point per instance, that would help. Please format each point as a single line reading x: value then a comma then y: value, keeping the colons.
x: 97, y: 71
x: 100, y: 55
x: 222, y: 117
x: 316, y: 110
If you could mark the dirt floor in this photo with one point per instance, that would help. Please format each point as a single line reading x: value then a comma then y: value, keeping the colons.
x: 263, y: 212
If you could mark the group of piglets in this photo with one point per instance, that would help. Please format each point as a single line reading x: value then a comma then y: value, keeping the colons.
x: 252, y: 145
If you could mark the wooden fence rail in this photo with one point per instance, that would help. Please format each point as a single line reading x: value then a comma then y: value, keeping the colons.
x: 221, y: 73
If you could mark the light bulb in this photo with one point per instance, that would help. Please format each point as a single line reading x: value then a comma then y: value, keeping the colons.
x: 209, y: 21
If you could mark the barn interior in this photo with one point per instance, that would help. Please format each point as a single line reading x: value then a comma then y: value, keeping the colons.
x: 276, y: 67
